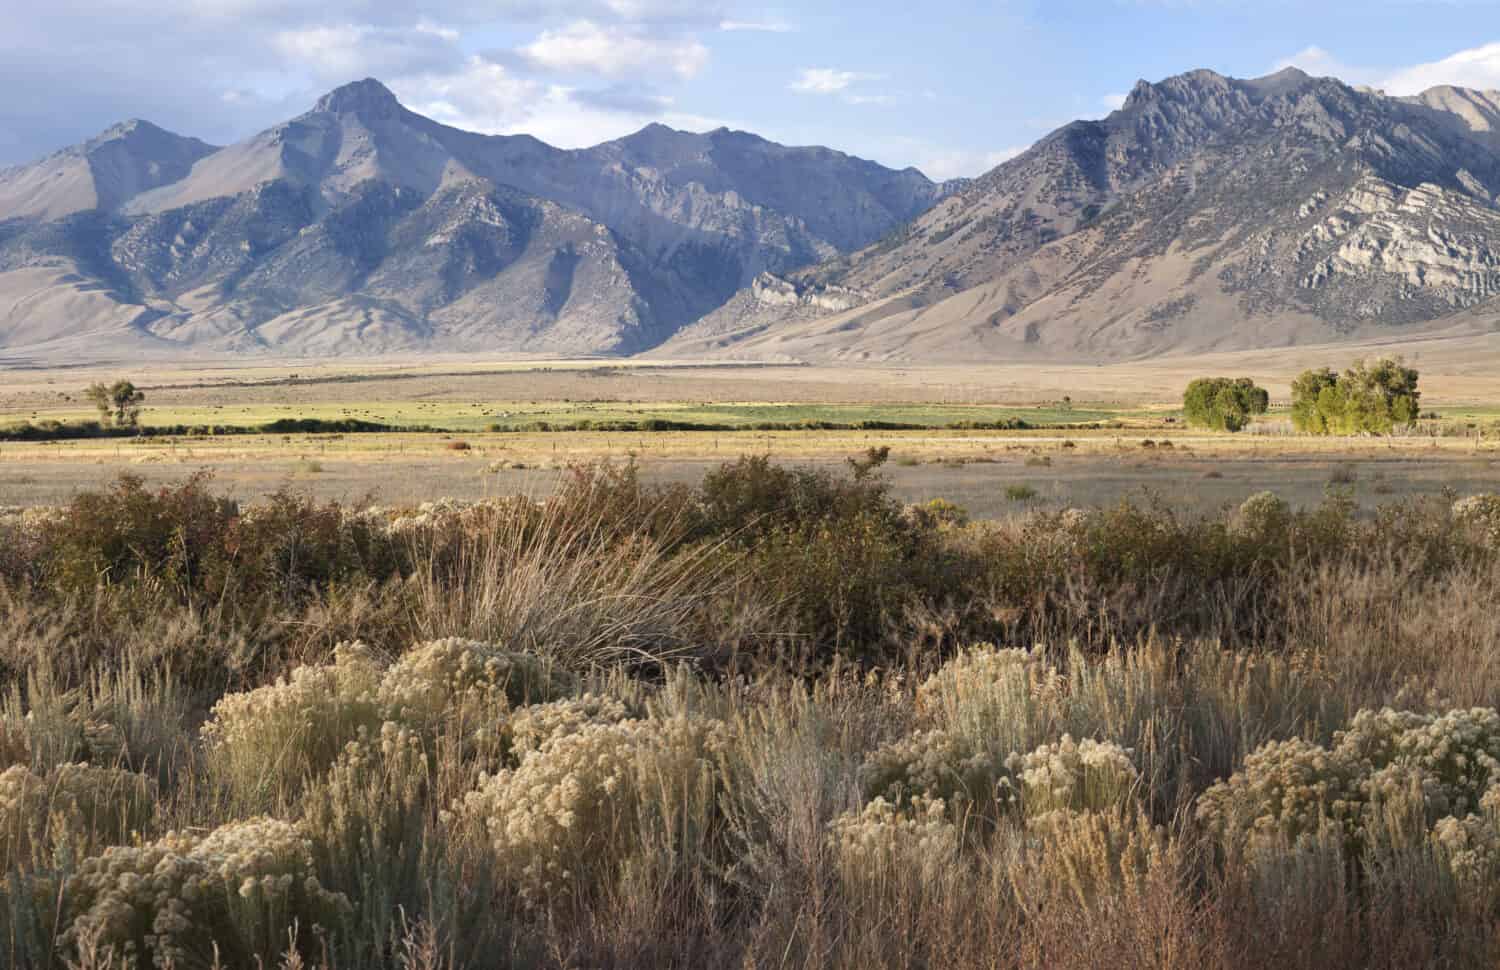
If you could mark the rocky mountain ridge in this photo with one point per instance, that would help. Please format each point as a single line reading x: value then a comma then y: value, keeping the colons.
x: 363, y: 227
x: 1207, y: 213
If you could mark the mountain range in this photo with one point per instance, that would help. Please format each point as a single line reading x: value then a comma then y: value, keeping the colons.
x: 363, y: 227
x: 1207, y: 213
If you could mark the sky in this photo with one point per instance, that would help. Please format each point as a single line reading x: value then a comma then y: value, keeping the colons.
x: 952, y: 88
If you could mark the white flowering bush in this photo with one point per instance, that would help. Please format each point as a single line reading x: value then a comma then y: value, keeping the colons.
x: 1079, y: 776
x: 573, y: 808
x: 883, y: 842
x: 269, y: 741
x: 1285, y: 790
x: 939, y: 766
x: 1442, y: 766
x: 451, y: 516
x: 74, y: 808
x: 1076, y: 520
x: 991, y: 694
x: 441, y: 679
x: 1450, y: 759
x: 175, y: 901
x: 1471, y: 848
x: 1262, y: 514
x: 1481, y: 513
x: 443, y: 513
x: 1371, y: 739
x: 532, y: 726
x: 978, y: 670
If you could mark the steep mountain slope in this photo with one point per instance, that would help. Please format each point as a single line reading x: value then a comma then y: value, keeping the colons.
x: 102, y: 173
x: 1208, y: 213
x: 361, y: 226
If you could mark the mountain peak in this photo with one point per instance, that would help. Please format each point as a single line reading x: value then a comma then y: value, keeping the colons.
x: 1283, y: 81
x: 1290, y: 74
x: 126, y: 129
x: 367, y: 98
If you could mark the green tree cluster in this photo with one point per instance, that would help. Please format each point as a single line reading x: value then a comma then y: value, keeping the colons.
x: 1368, y: 398
x: 1224, y: 403
x: 119, y: 402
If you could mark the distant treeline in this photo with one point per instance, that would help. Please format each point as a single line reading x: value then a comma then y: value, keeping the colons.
x: 81, y: 430
x: 665, y: 424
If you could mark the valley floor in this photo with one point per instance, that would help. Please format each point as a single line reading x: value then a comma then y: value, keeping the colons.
x: 982, y: 473
x: 1113, y: 412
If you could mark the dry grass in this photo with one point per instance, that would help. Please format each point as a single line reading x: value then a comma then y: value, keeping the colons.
x: 696, y: 798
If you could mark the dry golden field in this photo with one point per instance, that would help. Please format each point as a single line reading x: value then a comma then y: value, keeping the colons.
x: 1131, y: 402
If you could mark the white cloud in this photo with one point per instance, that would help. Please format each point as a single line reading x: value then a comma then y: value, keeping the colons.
x: 1478, y: 67
x: 757, y: 26
x: 486, y: 97
x: 936, y: 161
x: 1114, y: 102
x: 614, y: 51
x: 826, y: 80
x: 345, y: 52
x: 942, y: 165
x: 1320, y: 63
x: 482, y: 96
x: 223, y: 69
x: 438, y: 30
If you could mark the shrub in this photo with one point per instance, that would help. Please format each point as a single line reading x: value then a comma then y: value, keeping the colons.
x: 128, y: 532
x: 1093, y: 856
x: 72, y: 810
x: 986, y: 693
x: 189, y: 900
x: 1285, y: 790
x: 1074, y: 776
x: 264, y: 744
x: 1470, y: 848
x: 372, y: 829
x: 1431, y: 767
x: 533, y: 726
x: 1481, y: 514
x: 1264, y: 515
x: 1453, y: 758
x: 1020, y: 493
x: 939, y: 514
x: 753, y: 497
x: 466, y: 683
x: 880, y: 843
x: 1223, y: 403
x: 561, y: 823
x: 940, y: 767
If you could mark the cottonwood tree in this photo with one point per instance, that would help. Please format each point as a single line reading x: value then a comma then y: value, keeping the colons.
x: 1368, y: 398
x: 118, y: 403
x: 1224, y: 403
